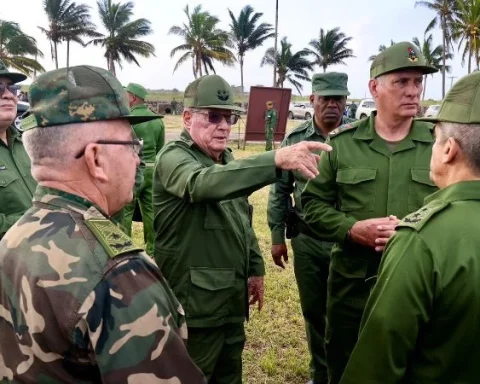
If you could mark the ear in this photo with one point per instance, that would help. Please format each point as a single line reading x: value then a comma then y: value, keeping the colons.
x: 450, y: 151
x: 372, y: 86
x: 187, y: 119
x: 96, y: 162
x: 312, y: 99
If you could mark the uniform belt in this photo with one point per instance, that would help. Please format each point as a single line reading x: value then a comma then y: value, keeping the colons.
x: 149, y: 165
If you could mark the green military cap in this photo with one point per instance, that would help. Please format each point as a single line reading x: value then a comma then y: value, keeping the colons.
x: 77, y: 95
x: 15, y: 77
x: 400, y: 56
x: 210, y: 91
x: 462, y: 102
x: 330, y: 84
x: 137, y: 90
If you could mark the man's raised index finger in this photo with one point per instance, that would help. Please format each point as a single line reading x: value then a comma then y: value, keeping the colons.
x: 314, y: 145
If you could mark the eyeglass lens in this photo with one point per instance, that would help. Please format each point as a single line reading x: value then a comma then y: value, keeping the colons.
x: 216, y: 118
x: 13, y: 89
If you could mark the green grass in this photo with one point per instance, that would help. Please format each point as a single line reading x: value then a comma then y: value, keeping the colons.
x: 276, y: 349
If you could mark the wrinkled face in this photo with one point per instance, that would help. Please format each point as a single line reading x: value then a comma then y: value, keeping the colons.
x: 398, y: 94
x: 8, y: 104
x: 209, y: 129
x: 329, y: 109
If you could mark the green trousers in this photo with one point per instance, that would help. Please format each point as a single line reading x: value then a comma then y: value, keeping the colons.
x: 311, y: 262
x: 349, y: 283
x: 268, y: 138
x: 144, y: 197
x: 218, y: 352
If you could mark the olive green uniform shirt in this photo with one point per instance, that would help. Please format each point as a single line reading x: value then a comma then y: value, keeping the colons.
x: 361, y: 178
x: 421, y: 320
x: 17, y: 185
x: 271, y: 119
x: 152, y: 132
x: 205, y: 245
x: 291, y: 182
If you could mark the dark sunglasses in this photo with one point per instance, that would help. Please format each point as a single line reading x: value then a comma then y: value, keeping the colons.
x: 137, y: 146
x: 13, y: 89
x: 217, y: 117
x: 334, y: 98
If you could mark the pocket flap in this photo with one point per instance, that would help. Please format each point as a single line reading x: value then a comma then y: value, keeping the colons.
x: 355, y: 175
x: 422, y: 175
x: 212, y: 279
x: 7, y: 178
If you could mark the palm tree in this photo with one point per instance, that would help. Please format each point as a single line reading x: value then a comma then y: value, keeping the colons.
x: 466, y: 29
x: 122, y: 39
x: 290, y: 66
x: 16, y: 46
x: 330, y: 48
x: 433, y: 55
x: 246, y: 35
x: 444, y: 10
x: 381, y: 48
x: 204, y: 42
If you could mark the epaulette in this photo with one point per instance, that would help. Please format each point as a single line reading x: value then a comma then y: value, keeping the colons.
x: 417, y: 220
x: 113, y: 240
x: 344, y: 128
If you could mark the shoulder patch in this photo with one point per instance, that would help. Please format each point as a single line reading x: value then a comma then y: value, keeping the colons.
x: 417, y: 220
x: 112, y: 239
x: 342, y: 128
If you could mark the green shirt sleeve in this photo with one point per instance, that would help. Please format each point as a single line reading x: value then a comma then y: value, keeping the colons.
x: 399, y: 305
x: 161, y: 136
x: 319, y: 203
x: 256, y: 264
x: 185, y: 177
x: 136, y: 327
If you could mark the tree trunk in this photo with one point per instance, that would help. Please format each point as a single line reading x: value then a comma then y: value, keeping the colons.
x: 56, y: 54
x: 68, y: 53
x: 444, y: 58
x: 324, y: 68
x: 193, y: 67
x: 241, y: 72
x: 111, y: 66
x: 275, y: 45
x: 470, y: 59
x: 424, y: 86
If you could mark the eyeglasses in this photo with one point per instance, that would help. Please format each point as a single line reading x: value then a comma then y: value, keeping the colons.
x: 137, y: 145
x: 13, y: 89
x: 217, y: 117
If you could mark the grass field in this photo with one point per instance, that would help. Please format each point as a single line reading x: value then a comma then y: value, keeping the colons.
x: 276, y: 349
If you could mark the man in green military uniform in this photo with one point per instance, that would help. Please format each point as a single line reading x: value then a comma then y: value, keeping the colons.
x: 16, y: 182
x: 271, y: 119
x: 205, y: 244
x: 421, y: 321
x: 80, y: 302
x: 352, y: 111
x: 153, y: 135
x: 377, y: 171
x: 329, y: 95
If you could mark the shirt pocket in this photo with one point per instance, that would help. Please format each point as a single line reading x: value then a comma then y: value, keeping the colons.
x: 356, y: 188
x: 420, y: 187
x: 9, y: 193
x: 210, y: 291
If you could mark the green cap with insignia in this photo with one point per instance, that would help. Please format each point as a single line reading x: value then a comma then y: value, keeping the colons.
x: 330, y: 84
x: 15, y: 77
x: 210, y: 91
x: 137, y: 90
x: 398, y: 57
x: 462, y: 102
x: 77, y: 95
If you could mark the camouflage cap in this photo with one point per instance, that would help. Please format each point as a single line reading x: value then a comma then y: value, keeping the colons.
x: 210, y: 91
x: 15, y: 77
x: 77, y: 95
x: 330, y: 84
x: 137, y: 90
x: 398, y: 57
x: 462, y: 102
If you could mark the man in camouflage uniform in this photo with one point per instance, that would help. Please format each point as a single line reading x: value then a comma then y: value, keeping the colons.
x: 421, y: 321
x: 377, y: 171
x: 153, y: 135
x: 16, y: 182
x: 329, y: 95
x: 79, y: 301
x: 271, y: 119
x: 205, y: 244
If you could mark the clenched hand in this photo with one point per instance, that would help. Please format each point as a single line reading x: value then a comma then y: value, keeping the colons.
x: 375, y: 232
x: 300, y: 157
x: 279, y: 251
x: 255, y: 291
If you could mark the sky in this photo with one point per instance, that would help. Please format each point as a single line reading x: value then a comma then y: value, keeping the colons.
x: 370, y: 23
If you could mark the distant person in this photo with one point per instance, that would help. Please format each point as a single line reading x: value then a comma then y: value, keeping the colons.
x: 421, y: 321
x: 80, y: 302
x: 352, y: 111
x: 153, y: 135
x: 271, y: 120
x: 16, y: 182
x: 174, y: 105
x: 311, y: 256
x: 205, y: 244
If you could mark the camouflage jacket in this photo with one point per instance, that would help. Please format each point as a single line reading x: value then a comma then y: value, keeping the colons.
x: 80, y: 303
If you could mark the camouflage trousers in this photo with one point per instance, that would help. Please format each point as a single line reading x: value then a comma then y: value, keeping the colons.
x: 311, y: 259
x: 349, y: 283
x: 268, y: 138
x: 145, y: 201
x: 218, y: 352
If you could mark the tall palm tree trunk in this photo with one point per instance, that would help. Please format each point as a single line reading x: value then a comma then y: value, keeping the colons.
x: 68, y: 53
x: 275, y: 46
x: 241, y: 71
x: 470, y: 59
x: 424, y: 86
x: 111, y: 66
x: 56, y: 54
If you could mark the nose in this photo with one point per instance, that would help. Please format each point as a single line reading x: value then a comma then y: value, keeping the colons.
x: 413, y: 89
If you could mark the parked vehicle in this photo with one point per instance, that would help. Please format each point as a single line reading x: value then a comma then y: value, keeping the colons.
x: 432, y: 111
x: 365, y: 109
x: 22, y: 107
x: 300, y: 111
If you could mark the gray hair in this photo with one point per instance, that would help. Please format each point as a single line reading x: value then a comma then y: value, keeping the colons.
x: 468, y: 138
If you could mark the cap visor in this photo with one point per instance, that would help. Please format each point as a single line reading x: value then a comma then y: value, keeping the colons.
x: 15, y: 77
x: 227, y: 107
x: 332, y: 93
